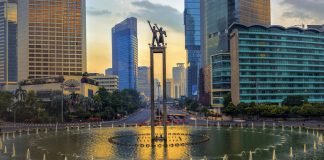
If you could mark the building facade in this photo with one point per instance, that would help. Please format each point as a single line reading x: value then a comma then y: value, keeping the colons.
x: 8, y: 42
x: 169, y: 89
x: 192, y: 44
x: 51, y: 38
x: 109, y: 82
x: 143, y: 81
x: 318, y: 27
x: 216, y: 17
x: 109, y: 72
x: 179, y: 80
x: 221, y: 79
x: 124, y: 53
x: 271, y: 63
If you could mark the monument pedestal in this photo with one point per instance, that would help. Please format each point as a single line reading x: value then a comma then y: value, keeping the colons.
x: 158, y: 50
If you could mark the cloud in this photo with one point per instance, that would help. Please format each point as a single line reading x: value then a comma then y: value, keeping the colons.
x: 304, y: 9
x: 97, y: 12
x: 162, y: 14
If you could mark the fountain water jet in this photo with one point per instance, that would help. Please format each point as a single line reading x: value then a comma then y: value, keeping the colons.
x: 252, y: 125
x: 299, y: 130
x: 112, y: 125
x: 7, y: 135
x: 315, y: 146
x: 28, y: 154
x: 89, y: 126
x: 291, y: 155
x: 250, y: 157
x: 274, y: 157
x: 13, y: 134
x: 124, y: 125
x: 13, y: 150
x: 46, y: 130
x: 206, y: 122
x: 65, y: 158
x: 225, y: 157
x: 36, y: 130
x: 241, y: 125
x: 305, y: 149
x: 218, y: 125
x: 230, y: 125
x: 273, y: 126
x: 291, y: 128
x: 28, y: 131
x: 44, y: 156
x: 283, y: 127
x: 56, y: 128
x: 263, y: 125
x: 5, y: 149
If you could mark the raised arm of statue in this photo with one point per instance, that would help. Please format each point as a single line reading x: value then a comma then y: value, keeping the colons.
x: 157, y: 27
x: 150, y: 25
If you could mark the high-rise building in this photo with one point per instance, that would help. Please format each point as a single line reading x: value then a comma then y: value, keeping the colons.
x: 8, y: 42
x: 269, y: 63
x: 192, y: 42
x: 124, y: 52
x: 143, y: 81
x: 179, y: 80
x: 216, y: 17
x: 318, y: 27
x: 169, y: 88
x: 109, y: 71
x: 51, y: 38
x: 157, y: 89
x: 109, y: 82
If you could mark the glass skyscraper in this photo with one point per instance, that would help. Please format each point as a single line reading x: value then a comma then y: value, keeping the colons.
x: 124, y: 53
x: 51, y: 38
x: 216, y: 17
x: 143, y: 81
x: 8, y: 42
x: 192, y: 42
x: 271, y: 63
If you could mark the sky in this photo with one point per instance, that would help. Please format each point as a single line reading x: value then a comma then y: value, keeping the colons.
x: 102, y: 15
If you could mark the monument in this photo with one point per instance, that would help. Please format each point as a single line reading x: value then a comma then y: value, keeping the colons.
x: 158, y: 47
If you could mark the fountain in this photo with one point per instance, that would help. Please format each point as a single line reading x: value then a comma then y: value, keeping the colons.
x: 230, y: 125
x: 291, y: 155
x: 65, y: 158
x: 291, y: 129
x: 7, y: 135
x: 313, y: 132
x: 13, y: 150
x: 28, y: 154
x: 317, y: 134
x: 274, y: 157
x: 19, y: 132
x: 299, y: 130
x: 89, y: 126
x: 100, y: 125
x: 273, y: 126
x: 207, y: 123
x: 218, y: 125
x: 13, y: 134
x: 124, y: 125
x: 305, y: 149
x: 36, y: 130
x: 315, y: 146
x: 5, y: 149
x: 250, y: 157
x: 67, y: 128
x: 283, y: 128
x: 263, y: 125
x: 92, y: 158
x: 225, y: 157
x: 252, y: 125
x: 78, y: 128
x: 44, y: 156
x: 56, y: 128
x: 241, y: 125
x: 112, y: 125
x: 307, y: 132
x: 46, y: 130
x: 28, y: 132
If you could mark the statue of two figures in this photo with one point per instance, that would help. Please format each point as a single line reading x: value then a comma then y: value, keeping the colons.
x: 155, y: 30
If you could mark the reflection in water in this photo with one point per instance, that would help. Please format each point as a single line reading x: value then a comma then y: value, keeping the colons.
x: 236, y: 143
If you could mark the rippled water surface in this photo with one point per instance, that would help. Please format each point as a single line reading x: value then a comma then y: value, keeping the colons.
x: 235, y: 142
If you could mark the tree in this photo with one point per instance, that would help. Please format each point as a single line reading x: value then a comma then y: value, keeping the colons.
x: 294, y: 101
x: 227, y: 99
